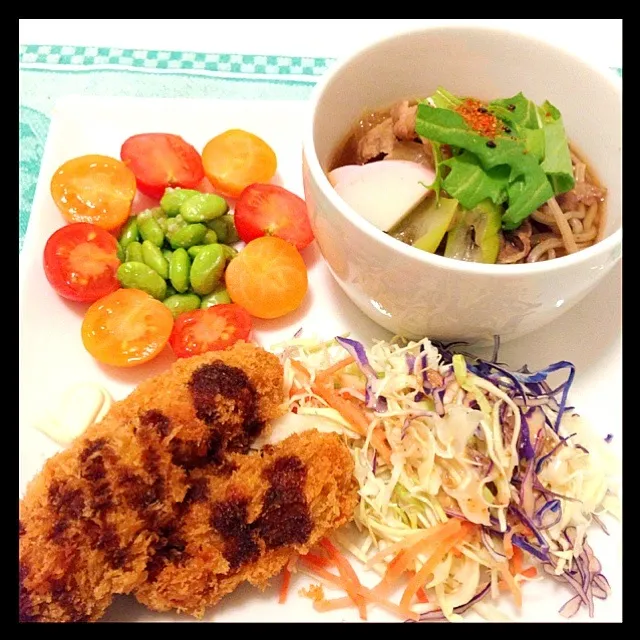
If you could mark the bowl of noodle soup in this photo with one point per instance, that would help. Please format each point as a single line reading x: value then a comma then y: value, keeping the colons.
x: 510, y: 234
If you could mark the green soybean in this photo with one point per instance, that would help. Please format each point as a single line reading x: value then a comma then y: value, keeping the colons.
x: 119, y: 252
x: 163, y: 223
x: 211, y: 237
x: 152, y: 257
x: 154, y: 212
x: 188, y: 236
x: 173, y: 199
x: 137, y: 275
x: 203, y: 207
x: 229, y: 252
x: 218, y: 296
x: 179, y: 270
x: 225, y: 229
x: 207, y: 269
x: 129, y: 233
x: 182, y: 302
x: 195, y: 250
x: 175, y: 224
x: 170, y: 291
x: 167, y: 253
x: 151, y: 230
x: 133, y: 252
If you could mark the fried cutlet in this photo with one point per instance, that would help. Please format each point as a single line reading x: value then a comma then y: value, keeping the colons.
x: 91, y: 521
x: 247, y: 517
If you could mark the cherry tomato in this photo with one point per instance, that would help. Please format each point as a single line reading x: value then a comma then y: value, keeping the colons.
x: 126, y: 328
x: 212, y: 329
x: 268, y: 278
x: 80, y: 262
x: 94, y: 188
x: 235, y: 159
x: 270, y: 210
x: 161, y: 160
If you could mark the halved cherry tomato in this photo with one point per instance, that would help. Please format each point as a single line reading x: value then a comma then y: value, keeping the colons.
x: 126, y: 328
x: 161, y: 160
x: 80, y: 262
x: 235, y: 159
x: 94, y: 188
x: 270, y: 210
x: 268, y: 278
x: 211, y: 329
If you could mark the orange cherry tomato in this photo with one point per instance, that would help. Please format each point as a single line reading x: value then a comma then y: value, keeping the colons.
x: 96, y: 189
x: 268, y: 278
x: 126, y: 328
x: 235, y: 159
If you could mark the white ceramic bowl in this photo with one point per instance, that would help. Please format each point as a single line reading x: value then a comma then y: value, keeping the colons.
x: 414, y: 293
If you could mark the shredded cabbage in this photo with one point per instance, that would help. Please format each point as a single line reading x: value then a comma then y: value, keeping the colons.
x: 468, y: 439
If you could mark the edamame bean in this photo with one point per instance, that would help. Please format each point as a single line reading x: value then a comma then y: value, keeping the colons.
x: 133, y: 252
x: 173, y: 199
x: 218, y: 296
x: 163, y: 223
x: 152, y: 257
x: 179, y: 270
x: 170, y: 291
x: 137, y: 275
x: 207, y: 269
x: 229, y: 252
x: 174, y: 225
x: 182, y: 302
x: 225, y: 228
x: 195, y: 250
x: 210, y: 237
x: 119, y: 252
x: 153, y: 212
x: 129, y: 233
x: 188, y: 236
x: 151, y: 230
x: 203, y: 207
x: 167, y: 253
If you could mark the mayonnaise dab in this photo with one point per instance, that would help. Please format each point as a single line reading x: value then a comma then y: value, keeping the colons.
x: 78, y: 408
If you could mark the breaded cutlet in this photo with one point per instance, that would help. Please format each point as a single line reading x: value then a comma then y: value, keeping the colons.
x: 92, y: 519
x: 247, y: 517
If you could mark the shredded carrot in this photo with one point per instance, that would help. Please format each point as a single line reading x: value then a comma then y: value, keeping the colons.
x: 442, y: 548
x: 421, y: 594
x: 284, y: 585
x: 503, y: 568
x: 302, y: 370
x: 324, y: 375
x: 319, y: 560
x: 529, y: 572
x: 348, y: 575
x: 355, y: 417
x: 515, y: 563
x: 403, y: 560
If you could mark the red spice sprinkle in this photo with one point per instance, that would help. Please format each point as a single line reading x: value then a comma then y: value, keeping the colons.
x: 478, y: 118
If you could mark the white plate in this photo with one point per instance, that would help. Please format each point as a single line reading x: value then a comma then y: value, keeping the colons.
x: 52, y: 356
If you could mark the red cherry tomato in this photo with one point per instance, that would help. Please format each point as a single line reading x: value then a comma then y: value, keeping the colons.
x: 270, y: 210
x: 80, y: 262
x: 161, y: 160
x: 212, y: 329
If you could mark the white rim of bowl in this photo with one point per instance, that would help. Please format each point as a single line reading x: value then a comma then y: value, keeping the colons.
x: 574, y: 259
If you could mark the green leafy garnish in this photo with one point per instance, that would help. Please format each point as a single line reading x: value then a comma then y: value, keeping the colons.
x: 471, y: 183
x: 443, y: 99
x: 517, y: 110
x: 557, y: 159
x: 520, y: 168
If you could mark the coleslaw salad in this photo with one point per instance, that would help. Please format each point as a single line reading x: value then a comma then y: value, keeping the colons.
x: 467, y: 472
